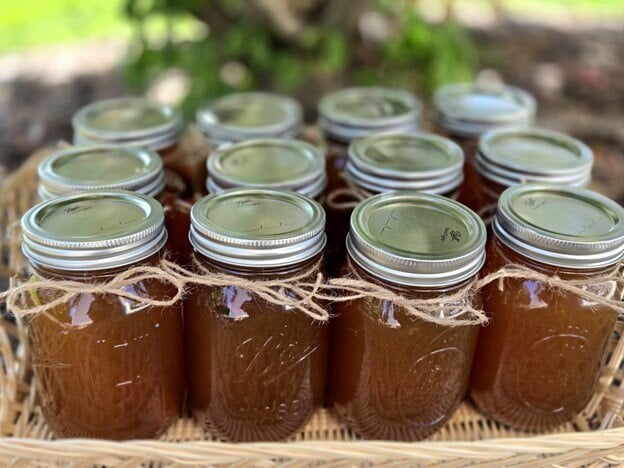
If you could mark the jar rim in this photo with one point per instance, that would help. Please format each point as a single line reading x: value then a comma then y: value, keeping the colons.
x: 302, y: 169
x: 441, y: 172
x: 257, y: 227
x: 276, y: 116
x: 396, y: 109
x: 561, y: 226
x: 430, y: 240
x: 469, y: 109
x: 58, y: 173
x: 161, y: 129
x: 560, y: 160
x: 93, y: 230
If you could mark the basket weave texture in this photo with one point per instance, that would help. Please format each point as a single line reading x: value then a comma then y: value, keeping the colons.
x: 595, y: 437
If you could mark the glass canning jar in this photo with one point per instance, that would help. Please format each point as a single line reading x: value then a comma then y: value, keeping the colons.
x: 539, y: 358
x: 393, y: 375
x: 510, y: 157
x: 464, y: 111
x: 268, y: 163
x: 393, y: 161
x: 256, y: 368
x: 106, y: 366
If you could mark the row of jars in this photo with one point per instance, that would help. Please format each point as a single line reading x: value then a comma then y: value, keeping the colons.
x: 110, y: 366
x: 371, y: 146
x: 243, y: 355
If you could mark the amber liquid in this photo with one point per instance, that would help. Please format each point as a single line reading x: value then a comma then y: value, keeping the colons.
x: 178, y: 224
x: 481, y: 195
x: 256, y: 370
x: 468, y: 192
x: 539, y: 359
x: 107, y: 367
x: 393, y: 376
x: 190, y: 167
x: 337, y: 221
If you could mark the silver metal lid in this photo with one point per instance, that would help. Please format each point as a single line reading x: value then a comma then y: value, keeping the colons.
x: 98, y: 168
x: 356, y: 112
x: 469, y: 109
x: 512, y: 156
x: 417, y: 239
x: 244, y: 116
x: 93, y: 231
x: 127, y: 121
x: 269, y: 163
x: 402, y: 161
x: 257, y: 227
x: 561, y: 226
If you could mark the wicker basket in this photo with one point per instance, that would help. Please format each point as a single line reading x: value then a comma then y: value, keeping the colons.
x: 595, y: 437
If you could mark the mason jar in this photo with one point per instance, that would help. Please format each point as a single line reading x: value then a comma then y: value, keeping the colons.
x: 464, y: 111
x: 256, y: 366
x: 106, y: 366
x: 394, y: 375
x: 539, y: 359
x: 393, y: 161
x: 268, y: 163
x: 510, y: 157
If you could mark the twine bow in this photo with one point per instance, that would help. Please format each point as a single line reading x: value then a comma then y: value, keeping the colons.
x: 292, y: 292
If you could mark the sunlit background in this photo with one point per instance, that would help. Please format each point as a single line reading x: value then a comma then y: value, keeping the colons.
x: 57, y: 55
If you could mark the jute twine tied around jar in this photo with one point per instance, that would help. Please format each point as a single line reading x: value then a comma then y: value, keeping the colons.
x: 22, y: 296
x: 300, y: 294
x: 294, y: 291
x: 455, y: 309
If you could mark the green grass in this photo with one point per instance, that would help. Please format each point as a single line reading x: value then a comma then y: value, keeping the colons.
x: 26, y: 24
x: 31, y: 23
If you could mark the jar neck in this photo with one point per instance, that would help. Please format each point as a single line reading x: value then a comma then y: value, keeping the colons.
x: 90, y: 275
x: 453, y: 194
x: 264, y: 272
x: 352, y: 269
x: 499, y: 255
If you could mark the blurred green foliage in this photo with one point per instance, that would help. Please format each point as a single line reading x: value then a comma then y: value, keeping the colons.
x: 224, y: 46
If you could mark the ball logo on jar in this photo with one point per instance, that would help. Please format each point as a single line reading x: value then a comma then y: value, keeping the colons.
x: 570, y: 359
x: 405, y: 387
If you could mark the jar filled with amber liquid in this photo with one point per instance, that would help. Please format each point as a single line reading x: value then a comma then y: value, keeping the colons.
x: 464, y: 111
x: 257, y: 367
x: 393, y: 375
x: 510, y: 157
x: 539, y: 359
x: 268, y: 163
x: 393, y: 162
x: 106, y: 366
x: 97, y: 168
